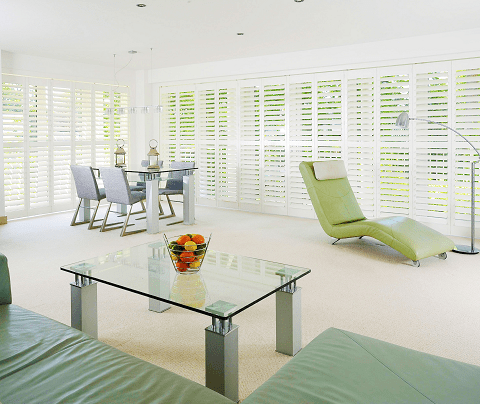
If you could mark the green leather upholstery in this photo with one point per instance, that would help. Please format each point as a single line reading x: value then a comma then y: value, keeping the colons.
x: 342, y: 367
x: 43, y: 361
x: 341, y: 217
x: 5, y: 292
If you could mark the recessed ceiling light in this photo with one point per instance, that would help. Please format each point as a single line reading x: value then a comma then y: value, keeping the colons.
x: 144, y: 5
x: 298, y: 1
x: 239, y: 33
x: 132, y: 52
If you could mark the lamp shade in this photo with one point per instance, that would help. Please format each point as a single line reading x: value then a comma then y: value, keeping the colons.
x: 403, y: 120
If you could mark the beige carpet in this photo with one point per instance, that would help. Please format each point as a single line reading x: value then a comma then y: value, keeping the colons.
x: 356, y: 285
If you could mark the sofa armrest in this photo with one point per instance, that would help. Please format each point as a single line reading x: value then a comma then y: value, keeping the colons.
x: 5, y: 291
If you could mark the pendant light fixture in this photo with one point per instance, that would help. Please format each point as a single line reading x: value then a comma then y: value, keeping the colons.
x: 132, y: 110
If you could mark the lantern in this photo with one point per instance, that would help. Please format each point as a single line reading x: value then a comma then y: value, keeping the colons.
x: 153, y: 156
x: 120, y: 154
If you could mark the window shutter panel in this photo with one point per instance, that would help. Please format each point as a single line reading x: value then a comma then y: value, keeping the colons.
x: 39, y: 175
x: 103, y: 156
x: 227, y: 145
x: 186, y: 118
x: 168, y: 125
x: 120, y: 121
x: 300, y: 142
x: 250, y: 146
x: 467, y: 122
x: 207, y: 154
x: 394, y: 145
x: 361, y: 139
x: 83, y: 124
x: 13, y: 92
x: 432, y: 143
x: 329, y: 116
x: 274, y: 146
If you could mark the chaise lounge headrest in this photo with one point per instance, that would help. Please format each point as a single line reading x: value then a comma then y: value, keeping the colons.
x: 329, y: 170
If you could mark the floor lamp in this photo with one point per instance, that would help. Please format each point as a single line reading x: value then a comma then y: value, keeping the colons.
x: 403, y: 122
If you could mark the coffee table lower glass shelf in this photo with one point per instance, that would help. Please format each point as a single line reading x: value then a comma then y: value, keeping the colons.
x: 226, y: 285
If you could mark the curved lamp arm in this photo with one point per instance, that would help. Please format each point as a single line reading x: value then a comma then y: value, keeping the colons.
x: 403, y: 118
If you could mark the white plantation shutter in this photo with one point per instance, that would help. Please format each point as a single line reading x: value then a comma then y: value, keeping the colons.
x: 227, y: 135
x: 47, y: 126
x: 120, y: 121
x: 274, y: 146
x: 361, y: 138
x: 250, y: 181
x: 84, y: 124
x: 432, y: 143
x: 14, y: 110
x: 186, y: 117
x: 38, y: 148
x: 467, y: 122
x: 168, y: 125
x: 329, y: 111
x: 103, y: 128
x: 207, y: 145
x: 394, y: 187
x: 62, y: 126
x: 301, y: 141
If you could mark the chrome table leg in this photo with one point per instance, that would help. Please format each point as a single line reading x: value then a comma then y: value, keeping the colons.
x: 84, y: 305
x: 288, y: 320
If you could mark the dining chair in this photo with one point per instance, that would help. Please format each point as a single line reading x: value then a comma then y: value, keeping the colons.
x: 117, y: 190
x: 174, y: 185
x: 87, y: 189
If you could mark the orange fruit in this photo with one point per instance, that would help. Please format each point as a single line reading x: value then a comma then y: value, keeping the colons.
x: 182, y: 266
x: 187, y: 256
x: 190, y: 246
x: 198, y: 239
x: 183, y: 239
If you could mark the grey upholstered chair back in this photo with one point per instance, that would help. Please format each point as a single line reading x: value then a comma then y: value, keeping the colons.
x: 116, y: 185
x: 175, y: 180
x: 85, y: 182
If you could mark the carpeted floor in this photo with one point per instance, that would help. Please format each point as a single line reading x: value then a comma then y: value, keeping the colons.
x: 356, y: 285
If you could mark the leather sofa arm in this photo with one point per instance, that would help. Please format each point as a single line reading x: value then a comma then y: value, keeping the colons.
x: 5, y: 291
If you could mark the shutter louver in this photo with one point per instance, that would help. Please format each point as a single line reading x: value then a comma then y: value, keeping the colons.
x: 329, y: 118
x: 168, y: 125
x: 186, y: 109
x: 467, y: 122
x: 394, y: 175
x: 361, y: 141
x: 103, y: 156
x: 432, y: 145
x: 301, y: 142
x: 120, y: 121
x: 83, y: 125
x: 227, y: 145
x: 38, y: 148
x: 274, y: 154
x: 250, y: 181
x: 13, y: 143
x: 207, y: 146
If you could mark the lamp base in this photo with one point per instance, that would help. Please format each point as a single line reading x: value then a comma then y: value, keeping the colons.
x: 465, y: 249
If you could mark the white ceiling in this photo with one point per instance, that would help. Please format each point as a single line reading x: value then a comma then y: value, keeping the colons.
x: 194, y: 31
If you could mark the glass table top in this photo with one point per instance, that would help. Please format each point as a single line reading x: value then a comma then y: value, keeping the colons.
x: 226, y: 285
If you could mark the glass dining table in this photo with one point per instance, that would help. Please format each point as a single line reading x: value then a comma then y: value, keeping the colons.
x: 152, y: 179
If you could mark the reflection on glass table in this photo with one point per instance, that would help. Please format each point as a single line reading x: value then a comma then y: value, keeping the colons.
x: 226, y: 285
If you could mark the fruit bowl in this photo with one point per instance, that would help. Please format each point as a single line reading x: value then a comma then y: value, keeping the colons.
x: 187, y: 252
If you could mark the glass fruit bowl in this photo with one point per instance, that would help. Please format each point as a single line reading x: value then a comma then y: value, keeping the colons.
x: 187, y: 252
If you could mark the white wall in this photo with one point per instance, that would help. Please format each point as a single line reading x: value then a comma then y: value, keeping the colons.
x: 426, y: 48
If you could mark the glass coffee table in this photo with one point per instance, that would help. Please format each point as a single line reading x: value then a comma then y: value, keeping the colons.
x: 226, y: 285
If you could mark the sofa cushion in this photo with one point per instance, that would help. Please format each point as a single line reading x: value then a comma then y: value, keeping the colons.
x: 43, y: 361
x: 343, y: 367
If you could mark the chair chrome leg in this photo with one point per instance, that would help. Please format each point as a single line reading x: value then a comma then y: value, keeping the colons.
x: 416, y: 263
x: 335, y: 241
x: 102, y: 227
x: 442, y: 256
x: 73, y: 223
x: 92, y: 220
x: 170, y: 205
x: 122, y: 233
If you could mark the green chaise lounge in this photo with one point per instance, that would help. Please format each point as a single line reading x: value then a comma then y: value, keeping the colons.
x: 341, y: 217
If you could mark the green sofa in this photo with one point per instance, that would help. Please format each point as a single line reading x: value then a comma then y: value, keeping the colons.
x: 46, y: 362
x: 340, y: 215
